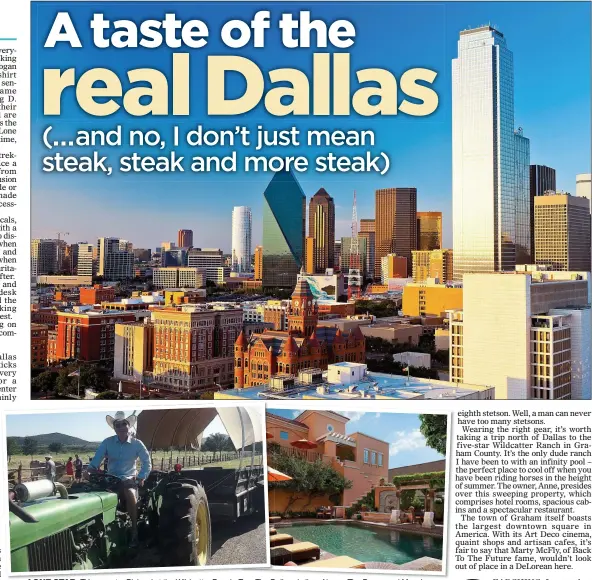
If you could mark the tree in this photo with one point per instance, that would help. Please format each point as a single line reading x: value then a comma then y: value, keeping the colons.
x: 433, y: 428
x: 12, y: 447
x: 30, y: 446
x: 217, y: 442
x: 44, y: 382
x: 309, y: 479
x: 55, y: 447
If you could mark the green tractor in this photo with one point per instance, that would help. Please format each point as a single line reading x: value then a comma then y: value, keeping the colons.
x: 86, y: 526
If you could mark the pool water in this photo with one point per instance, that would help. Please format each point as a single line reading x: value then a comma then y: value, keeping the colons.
x: 367, y: 544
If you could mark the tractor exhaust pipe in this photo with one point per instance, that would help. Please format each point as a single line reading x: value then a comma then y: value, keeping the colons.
x: 32, y: 490
x: 61, y: 489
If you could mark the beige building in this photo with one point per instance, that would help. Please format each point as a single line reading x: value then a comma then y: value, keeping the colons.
x: 562, y: 232
x: 394, y: 332
x: 430, y: 298
x: 173, y: 277
x: 436, y: 264
x: 194, y: 347
x: 526, y: 335
x: 134, y: 347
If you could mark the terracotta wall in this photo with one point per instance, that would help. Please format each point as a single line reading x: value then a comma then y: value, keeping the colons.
x: 279, y: 498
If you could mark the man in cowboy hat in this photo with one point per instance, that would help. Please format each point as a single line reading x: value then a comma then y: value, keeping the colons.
x: 50, y: 468
x: 123, y: 450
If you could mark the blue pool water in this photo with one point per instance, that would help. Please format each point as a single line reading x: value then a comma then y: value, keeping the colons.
x: 367, y: 544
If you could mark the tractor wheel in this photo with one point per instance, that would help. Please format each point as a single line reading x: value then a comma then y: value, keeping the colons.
x: 184, y: 528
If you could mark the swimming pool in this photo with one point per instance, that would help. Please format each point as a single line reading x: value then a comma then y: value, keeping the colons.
x: 367, y: 544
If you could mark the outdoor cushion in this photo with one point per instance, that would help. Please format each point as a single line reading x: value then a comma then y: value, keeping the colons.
x: 272, y: 531
x: 294, y: 552
x: 273, y: 519
x: 337, y: 562
x: 280, y: 540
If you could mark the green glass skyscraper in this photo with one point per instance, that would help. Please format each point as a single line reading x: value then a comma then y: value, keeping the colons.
x: 284, y: 230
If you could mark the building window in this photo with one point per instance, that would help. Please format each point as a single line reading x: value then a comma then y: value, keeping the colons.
x: 330, y: 428
x: 380, y: 460
x: 366, y: 455
x: 374, y: 458
x: 284, y: 435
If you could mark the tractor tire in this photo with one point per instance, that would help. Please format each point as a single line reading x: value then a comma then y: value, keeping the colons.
x: 184, y: 527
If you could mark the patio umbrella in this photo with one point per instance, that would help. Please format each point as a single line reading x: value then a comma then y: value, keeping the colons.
x: 275, y: 475
x: 268, y: 435
x: 303, y: 444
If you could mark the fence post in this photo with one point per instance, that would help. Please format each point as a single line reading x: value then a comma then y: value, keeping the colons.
x: 20, y: 473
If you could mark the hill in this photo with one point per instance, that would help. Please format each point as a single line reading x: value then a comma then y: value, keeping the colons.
x: 66, y: 440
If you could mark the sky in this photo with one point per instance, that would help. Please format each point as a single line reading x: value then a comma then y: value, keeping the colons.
x: 549, y: 40
x: 88, y: 426
x: 401, y: 430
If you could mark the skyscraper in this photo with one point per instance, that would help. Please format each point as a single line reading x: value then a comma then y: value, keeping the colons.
x: 429, y: 230
x: 185, y: 238
x: 45, y: 257
x: 396, y: 224
x: 542, y: 178
x: 284, y: 225
x: 115, y: 262
x: 241, y: 239
x: 321, y: 227
x: 490, y: 160
x: 84, y: 263
x: 562, y: 232
x: 368, y: 232
x: 259, y: 263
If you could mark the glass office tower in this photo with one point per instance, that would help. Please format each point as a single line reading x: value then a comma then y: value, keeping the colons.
x: 241, y: 239
x: 490, y: 160
x: 284, y: 223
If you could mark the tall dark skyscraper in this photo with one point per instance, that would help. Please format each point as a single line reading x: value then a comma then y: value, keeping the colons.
x: 321, y: 227
x: 284, y: 229
x: 542, y: 178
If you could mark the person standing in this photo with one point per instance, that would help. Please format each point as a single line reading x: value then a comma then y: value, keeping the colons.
x: 70, y: 470
x: 50, y: 468
x: 77, y: 469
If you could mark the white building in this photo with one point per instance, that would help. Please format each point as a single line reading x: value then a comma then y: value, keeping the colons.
x: 490, y: 160
x: 178, y: 277
x: 115, y: 259
x: 85, y: 259
x: 208, y: 259
x: 241, y: 239
x: 527, y: 334
x: 584, y: 189
x: 414, y: 359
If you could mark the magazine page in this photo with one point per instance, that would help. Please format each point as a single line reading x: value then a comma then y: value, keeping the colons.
x: 295, y: 290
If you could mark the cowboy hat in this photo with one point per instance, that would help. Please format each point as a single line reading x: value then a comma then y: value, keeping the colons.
x: 120, y: 416
x: 47, y: 456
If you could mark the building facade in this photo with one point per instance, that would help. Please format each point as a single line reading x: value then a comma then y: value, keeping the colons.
x: 258, y: 263
x: 207, y: 259
x: 368, y: 232
x: 303, y: 345
x: 134, y: 351
x: 396, y: 224
x: 430, y: 299
x: 321, y: 228
x: 429, y: 230
x: 242, y: 220
x: 115, y: 259
x: 194, y: 347
x: 537, y: 323
x: 437, y: 264
x: 284, y: 229
x: 542, y: 179
x: 490, y: 160
x: 97, y: 294
x: 39, y: 340
x: 179, y: 278
x: 562, y: 232
x: 185, y: 238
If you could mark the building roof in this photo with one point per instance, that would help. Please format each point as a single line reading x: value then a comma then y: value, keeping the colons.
x: 428, y: 467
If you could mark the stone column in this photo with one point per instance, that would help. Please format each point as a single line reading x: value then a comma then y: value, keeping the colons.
x: 428, y: 520
x: 395, y: 517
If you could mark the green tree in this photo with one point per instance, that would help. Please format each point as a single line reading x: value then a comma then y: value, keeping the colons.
x: 30, y: 446
x: 55, y: 447
x: 217, y: 442
x: 44, y: 382
x: 433, y: 428
x: 309, y: 479
x: 12, y: 447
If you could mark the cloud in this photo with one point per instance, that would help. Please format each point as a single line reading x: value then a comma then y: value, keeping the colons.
x: 353, y: 416
x: 295, y: 414
x: 406, y: 441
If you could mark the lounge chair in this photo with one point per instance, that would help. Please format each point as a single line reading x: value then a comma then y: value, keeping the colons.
x: 320, y: 512
x: 329, y: 513
x: 280, y: 540
x: 294, y: 553
x: 274, y: 519
x: 337, y: 562
x: 272, y: 531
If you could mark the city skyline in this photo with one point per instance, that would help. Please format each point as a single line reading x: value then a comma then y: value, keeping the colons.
x: 555, y: 125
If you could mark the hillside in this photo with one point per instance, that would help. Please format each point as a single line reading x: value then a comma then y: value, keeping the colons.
x: 66, y: 440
